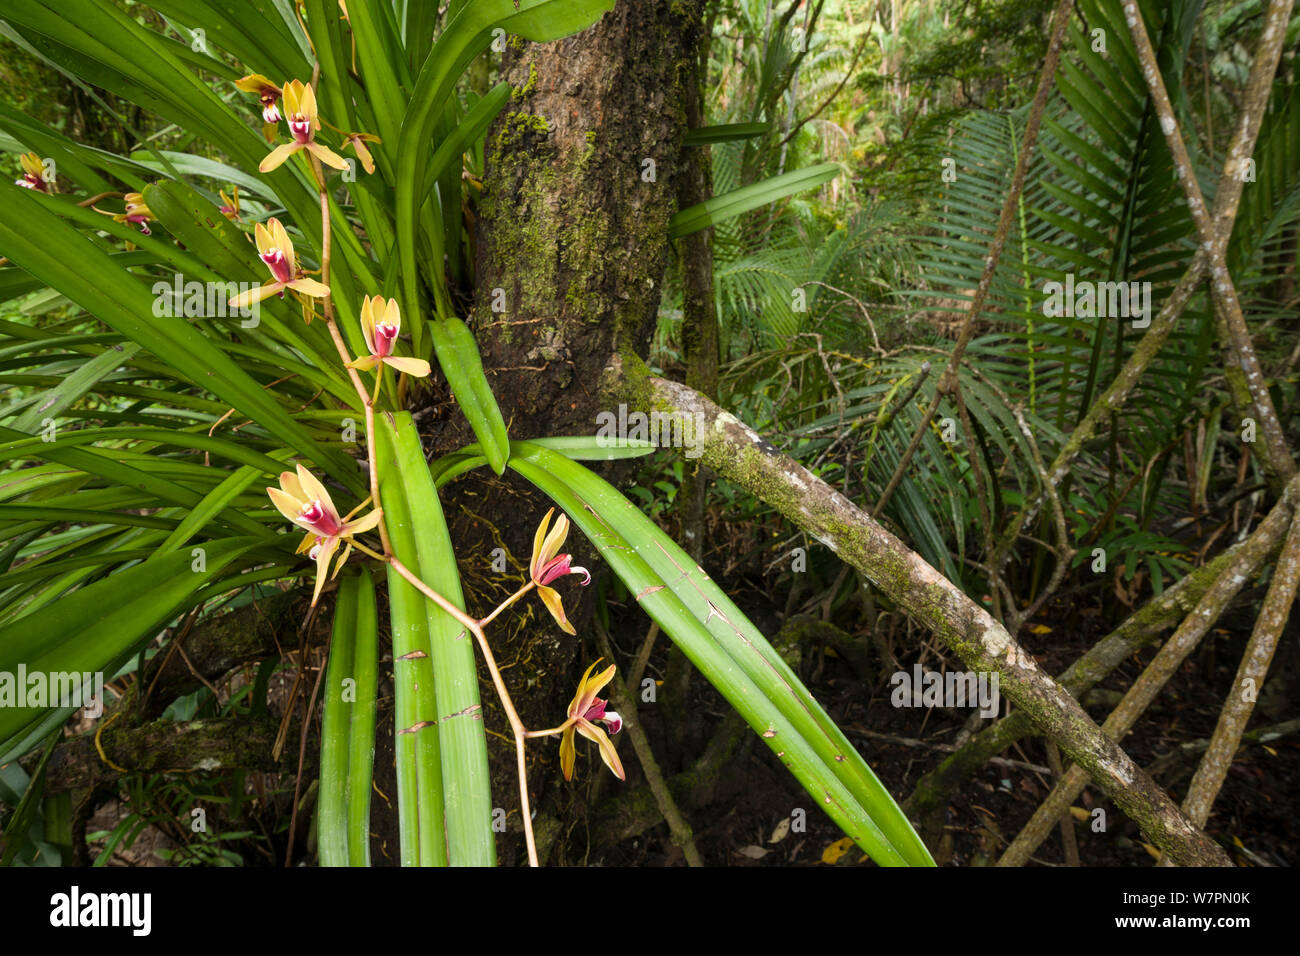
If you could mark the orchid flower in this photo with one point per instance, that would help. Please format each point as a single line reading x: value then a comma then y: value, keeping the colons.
x: 304, y: 124
x: 585, y: 711
x: 33, y: 173
x: 381, y: 321
x: 358, y: 143
x: 136, y: 212
x: 269, y: 94
x: 305, y: 501
x: 230, y: 204
x: 548, y: 565
x: 276, y: 250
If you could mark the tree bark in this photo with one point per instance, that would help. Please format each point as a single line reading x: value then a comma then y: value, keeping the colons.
x: 582, y: 174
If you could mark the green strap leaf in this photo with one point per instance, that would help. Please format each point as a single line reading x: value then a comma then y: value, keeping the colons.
x: 348, y: 727
x: 460, y: 361
x: 447, y: 677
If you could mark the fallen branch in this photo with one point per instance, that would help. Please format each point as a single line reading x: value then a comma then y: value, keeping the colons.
x: 737, y: 452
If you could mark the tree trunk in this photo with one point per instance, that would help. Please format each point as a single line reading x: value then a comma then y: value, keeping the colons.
x: 581, y: 179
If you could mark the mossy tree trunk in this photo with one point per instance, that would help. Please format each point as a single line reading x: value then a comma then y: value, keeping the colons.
x: 582, y: 175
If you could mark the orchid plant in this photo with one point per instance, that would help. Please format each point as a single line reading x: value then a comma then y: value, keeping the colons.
x: 256, y: 407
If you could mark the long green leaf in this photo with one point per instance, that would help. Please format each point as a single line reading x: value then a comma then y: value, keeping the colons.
x: 742, y: 200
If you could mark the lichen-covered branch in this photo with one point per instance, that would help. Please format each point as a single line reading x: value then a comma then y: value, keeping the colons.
x: 1138, y: 630
x: 1250, y: 677
x: 1245, y: 378
x: 735, y: 451
x: 1139, y: 697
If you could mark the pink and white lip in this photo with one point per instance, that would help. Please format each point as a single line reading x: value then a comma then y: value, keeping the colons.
x: 320, y: 519
x: 610, y: 718
x: 385, y: 336
x: 279, y: 266
x: 558, y: 567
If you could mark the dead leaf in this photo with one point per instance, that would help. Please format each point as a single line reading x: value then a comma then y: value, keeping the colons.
x: 753, y: 852
x: 1080, y: 814
x: 832, y: 853
x: 781, y: 832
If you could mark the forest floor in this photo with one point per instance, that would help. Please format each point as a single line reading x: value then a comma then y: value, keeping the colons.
x: 753, y: 821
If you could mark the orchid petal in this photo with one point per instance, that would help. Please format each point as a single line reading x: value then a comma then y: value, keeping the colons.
x: 597, y: 683
x: 364, y: 364
x: 327, y: 549
x: 551, y: 598
x: 275, y: 159
x: 578, y: 706
x: 307, y: 102
x: 607, y: 751
x: 568, y: 753
x: 535, y: 565
x: 411, y: 366
x: 265, y: 242
x: 392, y: 314
x: 254, y: 83
x: 310, y: 287
x: 368, y: 322
x: 362, y: 525
x: 292, y: 486
x: 326, y: 155
x: 280, y: 239
x: 292, y: 92
x: 313, y: 490
x: 555, y: 540
x: 287, y: 504
x: 265, y: 290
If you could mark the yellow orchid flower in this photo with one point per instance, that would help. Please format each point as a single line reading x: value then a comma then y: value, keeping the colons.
x: 33, y: 173
x: 585, y: 711
x: 381, y: 321
x: 300, y: 110
x: 547, y: 565
x: 276, y: 250
x: 358, y: 143
x: 135, y: 212
x: 306, y: 502
x: 230, y: 204
x: 269, y: 94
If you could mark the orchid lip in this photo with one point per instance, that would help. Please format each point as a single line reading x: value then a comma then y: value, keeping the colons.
x: 301, y: 128
x: 271, y: 113
x: 558, y: 567
x: 613, y: 722
x: 320, y: 519
x: 276, y: 262
x: 385, y: 335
